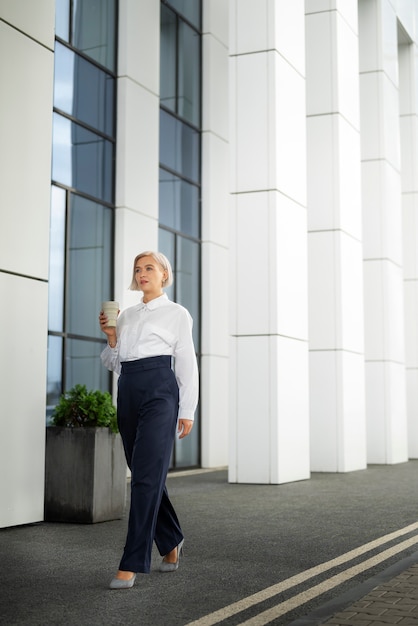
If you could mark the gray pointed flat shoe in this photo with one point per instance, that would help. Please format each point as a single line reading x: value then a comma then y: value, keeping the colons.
x: 171, y: 567
x: 118, y: 583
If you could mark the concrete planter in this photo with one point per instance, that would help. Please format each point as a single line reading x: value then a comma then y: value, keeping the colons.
x: 85, y: 475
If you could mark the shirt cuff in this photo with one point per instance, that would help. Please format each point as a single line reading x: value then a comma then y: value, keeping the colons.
x: 186, y: 414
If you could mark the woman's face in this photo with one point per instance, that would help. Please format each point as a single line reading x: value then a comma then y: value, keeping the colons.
x: 149, y: 276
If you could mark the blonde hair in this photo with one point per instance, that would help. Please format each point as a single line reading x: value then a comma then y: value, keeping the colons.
x: 162, y: 261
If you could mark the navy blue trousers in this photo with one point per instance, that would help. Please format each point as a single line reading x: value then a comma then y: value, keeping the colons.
x: 147, y: 409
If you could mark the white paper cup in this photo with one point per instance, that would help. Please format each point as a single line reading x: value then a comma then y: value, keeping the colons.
x: 111, y: 308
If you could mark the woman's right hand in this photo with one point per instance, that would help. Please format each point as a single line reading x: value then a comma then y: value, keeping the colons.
x: 110, y: 331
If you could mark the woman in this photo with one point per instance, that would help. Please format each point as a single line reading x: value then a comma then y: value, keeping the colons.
x: 152, y: 399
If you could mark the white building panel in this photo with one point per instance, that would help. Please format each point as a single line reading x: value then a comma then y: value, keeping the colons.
x: 23, y: 398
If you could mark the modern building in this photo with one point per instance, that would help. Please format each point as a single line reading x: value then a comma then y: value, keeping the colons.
x: 270, y: 149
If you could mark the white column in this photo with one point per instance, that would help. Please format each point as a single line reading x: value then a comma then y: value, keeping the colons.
x: 26, y: 78
x: 214, y: 396
x: 382, y: 234
x: 137, y: 158
x: 336, y: 325
x: 408, y: 90
x: 269, y: 437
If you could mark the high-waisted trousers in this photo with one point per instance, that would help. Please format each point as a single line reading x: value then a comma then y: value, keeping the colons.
x: 147, y: 409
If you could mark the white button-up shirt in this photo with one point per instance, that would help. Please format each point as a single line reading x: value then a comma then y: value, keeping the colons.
x: 157, y: 328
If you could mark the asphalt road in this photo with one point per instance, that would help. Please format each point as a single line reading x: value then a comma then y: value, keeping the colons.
x: 252, y: 553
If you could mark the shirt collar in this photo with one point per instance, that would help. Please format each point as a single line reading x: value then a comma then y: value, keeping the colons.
x: 155, y: 303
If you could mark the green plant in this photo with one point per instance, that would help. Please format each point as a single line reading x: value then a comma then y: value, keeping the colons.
x: 79, y: 407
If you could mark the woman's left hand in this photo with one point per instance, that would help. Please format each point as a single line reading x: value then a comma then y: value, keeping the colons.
x: 184, y: 427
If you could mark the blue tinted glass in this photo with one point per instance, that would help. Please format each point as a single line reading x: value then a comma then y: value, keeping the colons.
x: 94, y: 30
x: 186, y: 291
x: 83, y: 365
x: 168, y: 45
x: 81, y: 159
x: 179, y: 204
x: 179, y: 147
x: 63, y: 78
x: 62, y: 19
x: 188, y: 95
x: 56, y: 260
x: 166, y: 244
x: 54, y: 372
x: 190, y: 9
x: 83, y: 90
x: 89, y: 265
x: 187, y: 280
x: 187, y: 449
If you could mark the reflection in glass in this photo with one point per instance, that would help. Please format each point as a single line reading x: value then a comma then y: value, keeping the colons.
x: 179, y: 147
x: 94, y: 30
x: 81, y: 253
x: 54, y: 380
x: 180, y: 67
x: 190, y: 9
x: 168, y: 44
x: 81, y: 159
x: 180, y: 176
x: 89, y: 273
x: 187, y: 277
x: 179, y: 206
x: 186, y: 292
x: 62, y: 19
x: 83, y: 365
x: 83, y: 90
x: 56, y: 260
x: 166, y: 245
x: 189, y: 74
x: 187, y: 449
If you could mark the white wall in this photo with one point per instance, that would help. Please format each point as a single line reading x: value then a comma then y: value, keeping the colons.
x: 26, y: 77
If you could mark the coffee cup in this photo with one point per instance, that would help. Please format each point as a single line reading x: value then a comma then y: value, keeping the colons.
x: 111, y: 309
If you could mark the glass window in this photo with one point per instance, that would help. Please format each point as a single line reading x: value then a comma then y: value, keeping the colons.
x: 82, y: 214
x: 180, y: 67
x: 166, y: 244
x: 83, y: 91
x: 94, y: 30
x: 189, y: 74
x: 56, y: 260
x: 187, y: 279
x: 81, y: 159
x: 83, y: 365
x: 179, y: 204
x: 179, y: 147
x: 54, y: 384
x: 184, y: 256
x: 89, y: 269
x: 186, y: 291
x: 168, y: 45
x: 190, y: 9
x: 187, y: 450
x: 62, y: 19
x: 180, y: 176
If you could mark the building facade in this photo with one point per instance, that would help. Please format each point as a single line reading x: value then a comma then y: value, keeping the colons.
x: 270, y: 150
